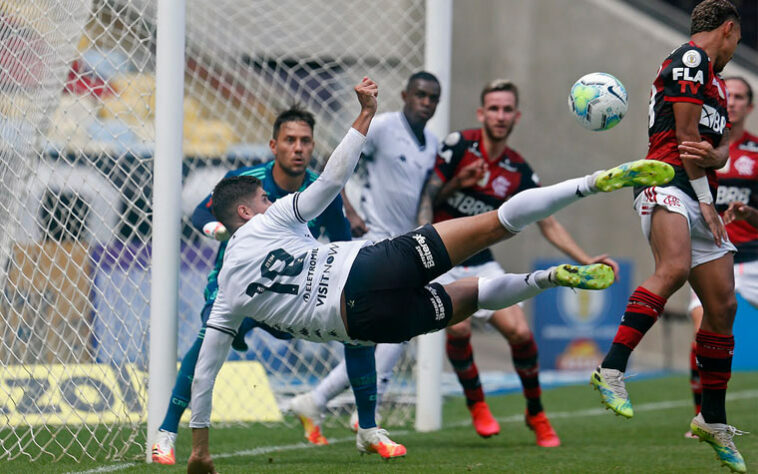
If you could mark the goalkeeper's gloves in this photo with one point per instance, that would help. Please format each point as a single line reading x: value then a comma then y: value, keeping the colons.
x: 216, y: 230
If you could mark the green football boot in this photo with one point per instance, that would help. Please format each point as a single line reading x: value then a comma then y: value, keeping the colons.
x: 610, y: 384
x: 634, y: 173
x: 597, y: 276
x: 719, y: 436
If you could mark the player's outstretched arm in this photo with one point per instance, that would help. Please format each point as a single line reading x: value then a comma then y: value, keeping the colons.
x: 312, y: 202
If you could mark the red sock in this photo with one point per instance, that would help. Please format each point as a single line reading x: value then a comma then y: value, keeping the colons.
x: 461, y: 357
x: 642, y: 311
x: 714, y: 359
x: 528, y: 369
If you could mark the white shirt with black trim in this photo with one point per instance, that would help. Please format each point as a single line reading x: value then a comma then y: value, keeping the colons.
x: 397, y: 167
x: 275, y: 272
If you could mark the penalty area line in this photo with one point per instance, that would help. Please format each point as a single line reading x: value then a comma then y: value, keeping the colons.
x: 652, y: 406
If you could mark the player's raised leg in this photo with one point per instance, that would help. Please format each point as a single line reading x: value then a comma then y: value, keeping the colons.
x: 670, y: 244
x: 466, y: 236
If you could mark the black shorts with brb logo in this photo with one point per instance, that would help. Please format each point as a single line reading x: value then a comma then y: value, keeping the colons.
x: 388, y: 296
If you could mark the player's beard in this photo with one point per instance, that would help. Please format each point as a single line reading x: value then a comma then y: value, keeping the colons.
x: 491, y: 135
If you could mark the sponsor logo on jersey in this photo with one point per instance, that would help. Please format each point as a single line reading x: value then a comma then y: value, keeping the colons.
x: 711, y: 118
x: 691, y: 58
x: 727, y: 194
x: 427, y: 260
x: 439, y: 308
x: 686, y: 74
x: 744, y: 165
x: 500, y: 186
x: 322, y: 291
x: 468, y: 205
x: 309, y: 276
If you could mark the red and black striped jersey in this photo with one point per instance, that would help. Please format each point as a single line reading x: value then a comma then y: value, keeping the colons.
x: 686, y: 76
x: 507, y: 175
x: 738, y: 181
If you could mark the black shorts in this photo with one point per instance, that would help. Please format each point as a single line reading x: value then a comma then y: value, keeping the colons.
x: 388, y: 297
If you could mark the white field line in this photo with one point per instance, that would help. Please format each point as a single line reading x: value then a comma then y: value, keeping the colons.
x: 653, y: 406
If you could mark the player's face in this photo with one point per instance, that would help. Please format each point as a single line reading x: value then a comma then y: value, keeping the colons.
x: 421, y: 99
x: 738, y: 107
x: 499, y: 114
x: 259, y: 202
x: 729, y: 45
x: 293, y: 147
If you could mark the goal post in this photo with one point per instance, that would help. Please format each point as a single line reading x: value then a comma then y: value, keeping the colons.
x: 167, y: 216
x: 98, y: 155
x: 431, y: 347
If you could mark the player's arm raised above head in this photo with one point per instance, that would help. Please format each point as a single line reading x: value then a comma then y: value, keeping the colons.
x: 312, y: 202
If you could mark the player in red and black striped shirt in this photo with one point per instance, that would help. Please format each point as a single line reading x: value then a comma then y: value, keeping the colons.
x: 688, y: 129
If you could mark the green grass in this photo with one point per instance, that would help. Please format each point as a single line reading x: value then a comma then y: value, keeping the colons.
x: 592, y: 441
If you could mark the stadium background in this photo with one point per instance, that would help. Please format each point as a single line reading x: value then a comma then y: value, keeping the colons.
x: 542, y: 45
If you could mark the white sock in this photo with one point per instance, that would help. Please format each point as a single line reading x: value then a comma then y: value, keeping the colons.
x: 387, y: 357
x: 330, y: 386
x: 506, y: 290
x: 536, y: 204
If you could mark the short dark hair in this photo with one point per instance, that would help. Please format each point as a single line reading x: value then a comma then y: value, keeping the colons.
x: 747, y: 86
x: 421, y: 76
x: 500, y: 85
x: 710, y: 14
x: 228, y: 193
x: 296, y: 113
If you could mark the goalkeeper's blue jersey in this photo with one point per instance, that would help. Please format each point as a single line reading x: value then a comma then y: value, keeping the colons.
x: 331, y: 222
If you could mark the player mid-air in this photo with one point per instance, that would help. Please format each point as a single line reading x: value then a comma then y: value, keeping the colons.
x: 275, y: 271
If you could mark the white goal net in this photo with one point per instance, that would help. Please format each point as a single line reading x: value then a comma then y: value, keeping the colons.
x: 77, y: 133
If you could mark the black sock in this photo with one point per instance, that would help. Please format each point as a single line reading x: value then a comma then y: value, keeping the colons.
x: 714, y: 406
x: 617, y: 357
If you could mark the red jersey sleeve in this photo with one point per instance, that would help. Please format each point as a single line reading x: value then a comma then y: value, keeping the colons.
x: 685, y: 75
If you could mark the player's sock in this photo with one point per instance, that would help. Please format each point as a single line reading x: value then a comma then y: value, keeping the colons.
x: 180, y: 395
x: 387, y: 356
x: 461, y: 357
x: 536, y: 204
x: 714, y: 359
x: 642, y: 311
x: 333, y: 384
x: 506, y: 290
x: 528, y: 369
x: 695, y: 384
x: 361, y: 371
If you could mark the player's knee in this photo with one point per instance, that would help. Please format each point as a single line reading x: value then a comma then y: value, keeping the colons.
x: 519, y: 335
x: 459, y: 330
x: 673, y: 275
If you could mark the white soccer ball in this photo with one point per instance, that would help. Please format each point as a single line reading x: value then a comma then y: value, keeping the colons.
x: 598, y: 101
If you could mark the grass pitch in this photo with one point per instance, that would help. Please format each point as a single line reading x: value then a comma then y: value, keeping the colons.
x: 593, y: 439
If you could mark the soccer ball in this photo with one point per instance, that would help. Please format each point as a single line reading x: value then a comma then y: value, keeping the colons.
x: 598, y: 101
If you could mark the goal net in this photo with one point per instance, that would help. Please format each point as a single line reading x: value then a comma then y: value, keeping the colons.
x: 77, y: 135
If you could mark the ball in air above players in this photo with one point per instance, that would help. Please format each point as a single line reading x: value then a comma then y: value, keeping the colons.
x: 598, y: 101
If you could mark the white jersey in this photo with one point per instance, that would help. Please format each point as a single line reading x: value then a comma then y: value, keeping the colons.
x: 275, y: 272
x: 397, y: 167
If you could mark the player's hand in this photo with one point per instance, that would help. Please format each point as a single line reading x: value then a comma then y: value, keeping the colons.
x: 714, y: 223
x: 604, y: 258
x: 367, y: 91
x: 200, y: 464
x: 357, y: 225
x: 702, y: 154
x: 738, y: 211
x: 470, y: 174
